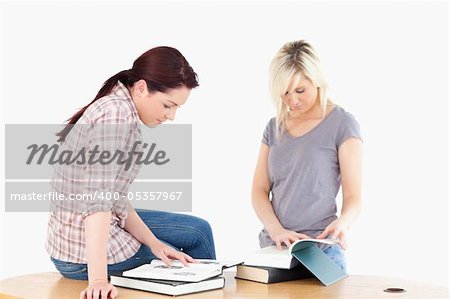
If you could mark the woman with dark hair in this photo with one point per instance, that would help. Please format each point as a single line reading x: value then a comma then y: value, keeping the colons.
x: 94, y: 243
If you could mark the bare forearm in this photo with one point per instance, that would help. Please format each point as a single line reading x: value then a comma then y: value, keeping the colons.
x: 135, y: 226
x: 351, y: 209
x: 96, y: 237
x: 350, y: 161
x: 264, y: 210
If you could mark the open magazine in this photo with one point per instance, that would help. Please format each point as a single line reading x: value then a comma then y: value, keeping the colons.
x: 194, y: 272
x: 305, y: 252
x: 270, y: 256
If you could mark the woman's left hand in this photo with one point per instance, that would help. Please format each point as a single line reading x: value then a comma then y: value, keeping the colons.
x: 166, y: 253
x: 337, y: 230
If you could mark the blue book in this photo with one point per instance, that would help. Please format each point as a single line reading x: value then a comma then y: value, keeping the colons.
x: 308, y: 253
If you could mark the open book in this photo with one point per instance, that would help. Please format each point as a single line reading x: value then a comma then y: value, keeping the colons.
x: 195, y: 272
x: 272, y: 257
x: 305, y: 252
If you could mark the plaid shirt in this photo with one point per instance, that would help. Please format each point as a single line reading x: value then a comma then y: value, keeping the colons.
x: 113, y: 123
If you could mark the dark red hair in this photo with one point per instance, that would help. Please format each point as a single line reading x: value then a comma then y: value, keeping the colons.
x: 163, y: 68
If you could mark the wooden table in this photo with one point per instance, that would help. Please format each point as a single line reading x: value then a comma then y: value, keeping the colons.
x: 53, y: 285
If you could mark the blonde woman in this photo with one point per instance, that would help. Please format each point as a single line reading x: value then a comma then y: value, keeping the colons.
x: 309, y: 150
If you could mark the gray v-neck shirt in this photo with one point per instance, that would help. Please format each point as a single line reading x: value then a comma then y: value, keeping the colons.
x: 304, y: 173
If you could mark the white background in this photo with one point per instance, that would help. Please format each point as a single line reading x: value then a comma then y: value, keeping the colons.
x: 386, y: 63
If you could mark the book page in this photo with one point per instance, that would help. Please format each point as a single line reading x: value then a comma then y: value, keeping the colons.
x: 272, y: 252
x: 270, y: 257
x: 157, y: 269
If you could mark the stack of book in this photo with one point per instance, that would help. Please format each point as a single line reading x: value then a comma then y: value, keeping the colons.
x: 270, y: 274
x: 303, y: 259
x: 176, y: 279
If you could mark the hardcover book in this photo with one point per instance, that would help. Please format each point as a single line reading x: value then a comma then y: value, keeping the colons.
x: 271, y: 275
x: 167, y: 287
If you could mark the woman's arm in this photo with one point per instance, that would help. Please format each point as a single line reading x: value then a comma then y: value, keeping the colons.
x: 350, y: 163
x: 350, y: 160
x: 263, y: 207
x: 135, y: 226
x: 96, y: 237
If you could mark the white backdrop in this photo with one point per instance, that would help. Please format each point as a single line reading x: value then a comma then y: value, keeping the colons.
x: 386, y: 63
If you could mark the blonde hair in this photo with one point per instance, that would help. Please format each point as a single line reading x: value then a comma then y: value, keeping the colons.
x: 294, y: 59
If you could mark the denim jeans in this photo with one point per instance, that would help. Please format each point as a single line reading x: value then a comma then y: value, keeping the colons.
x: 191, y: 234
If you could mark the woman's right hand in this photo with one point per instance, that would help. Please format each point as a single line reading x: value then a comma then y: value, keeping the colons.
x: 166, y: 253
x: 282, y: 235
x: 99, y: 290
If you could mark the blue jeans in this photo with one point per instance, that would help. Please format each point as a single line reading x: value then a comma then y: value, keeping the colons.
x: 191, y: 234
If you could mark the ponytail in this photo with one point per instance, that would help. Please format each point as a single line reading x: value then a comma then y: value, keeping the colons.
x: 123, y: 76
x: 162, y: 68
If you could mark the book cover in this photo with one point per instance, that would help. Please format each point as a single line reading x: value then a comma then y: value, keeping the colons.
x: 167, y: 287
x: 316, y: 261
x: 272, y: 275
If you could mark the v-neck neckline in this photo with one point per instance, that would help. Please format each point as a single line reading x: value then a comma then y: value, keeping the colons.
x: 315, y: 127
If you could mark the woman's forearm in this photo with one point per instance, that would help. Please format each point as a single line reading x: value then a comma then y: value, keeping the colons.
x: 264, y: 210
x: 350, y: 162
x: 96, y: 237
x: 351, y: 208
x: 135, y: 226
x: 260, y: 193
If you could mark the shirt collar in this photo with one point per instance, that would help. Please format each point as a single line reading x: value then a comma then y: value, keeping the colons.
x: 122, y: 91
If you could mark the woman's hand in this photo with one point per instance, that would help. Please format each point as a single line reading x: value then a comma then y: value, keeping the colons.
x: 282, y: 235
x: 337, y: 230
x: 99, y: 290
x: 166, y: 253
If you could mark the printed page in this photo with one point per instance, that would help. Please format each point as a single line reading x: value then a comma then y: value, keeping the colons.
x: 157, y: 269
x: 270, y: 257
